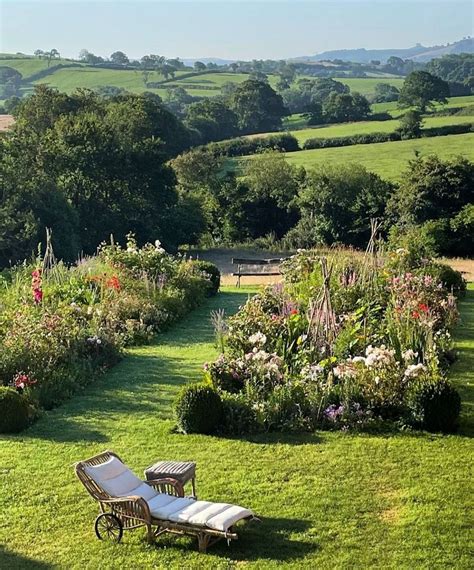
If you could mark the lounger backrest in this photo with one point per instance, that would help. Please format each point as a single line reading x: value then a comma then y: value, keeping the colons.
x: 106, y: 476
x: 114, y: 477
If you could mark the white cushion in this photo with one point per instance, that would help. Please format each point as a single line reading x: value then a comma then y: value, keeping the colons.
x: 159, y: 501
x: 118, y: 481
x: 204, y: 515
x: 218, y: 516
x: 144, y: 491
x: 185, y: 514
x: 164, y: 512
x: 225, y: 519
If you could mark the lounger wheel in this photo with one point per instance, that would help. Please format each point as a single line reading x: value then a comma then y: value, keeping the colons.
x: 108, y: 527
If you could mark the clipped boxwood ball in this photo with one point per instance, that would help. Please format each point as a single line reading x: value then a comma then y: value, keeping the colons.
x: 213, y: 273
x: 14, y: 411
x: 437, y: 407
x: 198, y: 409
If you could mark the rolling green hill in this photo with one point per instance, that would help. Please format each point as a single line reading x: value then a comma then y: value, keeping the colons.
x: 366, y: 127
x: 67, y: 75
x: 387, y: 159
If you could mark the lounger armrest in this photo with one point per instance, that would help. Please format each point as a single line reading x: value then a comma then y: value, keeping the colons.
x: 130, y: 507
x: 167, y: 485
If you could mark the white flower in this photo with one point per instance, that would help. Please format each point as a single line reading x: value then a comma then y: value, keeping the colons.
x: 258, y: 338
x: 378, y: 356
x: 414, y: 370
x: 409, y: 355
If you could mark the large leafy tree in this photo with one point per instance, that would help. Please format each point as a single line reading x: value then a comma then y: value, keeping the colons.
x: 273, y: 185
x: 431, y: 189
x: 119, y: 58
x: 421, y: 90
x: 344, y: 107
x: 213, y: 119
x: 337, y: 203
x: 257, y: 106
x: 88, y: 167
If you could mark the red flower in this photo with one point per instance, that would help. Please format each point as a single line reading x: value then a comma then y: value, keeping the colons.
x: 415, y: 314
x: 294, y: 312
x: 22, y: 381
x: 36, y: 286
x: 113, y: 283
x: 37, y: 296
x: 423, y: 307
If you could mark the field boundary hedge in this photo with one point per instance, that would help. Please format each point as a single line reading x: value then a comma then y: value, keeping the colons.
x: 371, y: 138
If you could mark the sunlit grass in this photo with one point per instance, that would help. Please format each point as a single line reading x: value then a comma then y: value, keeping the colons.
x: 328, y: 500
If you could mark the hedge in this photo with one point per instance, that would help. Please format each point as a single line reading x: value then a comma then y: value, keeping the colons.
x: 242, y: 146
x: 371, y: 138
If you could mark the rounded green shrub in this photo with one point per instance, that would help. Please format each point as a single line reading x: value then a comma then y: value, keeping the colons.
x: 213, y: 273
x: 198, y: 409
x: 435, y: 407
x: 14, y: 411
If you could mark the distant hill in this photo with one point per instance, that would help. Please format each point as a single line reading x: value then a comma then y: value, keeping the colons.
x: 206, y: 60
x: 417, y: 53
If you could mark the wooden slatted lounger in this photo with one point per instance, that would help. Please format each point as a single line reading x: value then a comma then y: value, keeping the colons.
x: 126, y: 502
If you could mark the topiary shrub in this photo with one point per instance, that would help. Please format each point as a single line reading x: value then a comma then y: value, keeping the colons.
x: 198, y: 409
x: 214, y: 275
x: 14, y: 411
x: 435, y: 407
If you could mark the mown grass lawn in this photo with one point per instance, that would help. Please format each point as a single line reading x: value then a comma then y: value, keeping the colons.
x: 328, y: 500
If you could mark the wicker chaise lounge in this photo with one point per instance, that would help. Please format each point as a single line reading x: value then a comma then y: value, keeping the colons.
x: 126, y: 502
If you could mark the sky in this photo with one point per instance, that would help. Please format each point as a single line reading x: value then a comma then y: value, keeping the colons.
x: 229, y: 29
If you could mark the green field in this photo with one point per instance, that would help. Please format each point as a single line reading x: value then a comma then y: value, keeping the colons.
x: 365, y: 127
x: 453, y: 102
x: 92, y: 77
x: 387, y: 159
x: 366, y: 85
x: 31, y: 66
x: 326, y: 500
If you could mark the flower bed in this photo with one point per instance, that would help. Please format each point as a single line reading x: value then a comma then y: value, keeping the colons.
x: 351, y: 342
x: 61, y: 325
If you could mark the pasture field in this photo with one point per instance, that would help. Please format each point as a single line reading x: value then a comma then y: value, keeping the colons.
x: 366, y: 127
x: 327, y: 500
x: 453, y: 102
x: 387, y: 159
x: 91, y: 77
x: 31, y: 66
x: 366, y: 85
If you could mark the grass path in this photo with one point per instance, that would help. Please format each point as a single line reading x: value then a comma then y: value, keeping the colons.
x: 328, y: 500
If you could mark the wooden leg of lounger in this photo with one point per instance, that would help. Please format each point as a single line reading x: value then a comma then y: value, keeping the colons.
x: 150, y: 535
x: 203, y: 541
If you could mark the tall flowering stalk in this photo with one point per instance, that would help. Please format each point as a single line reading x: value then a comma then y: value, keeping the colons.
x: 36, y: 286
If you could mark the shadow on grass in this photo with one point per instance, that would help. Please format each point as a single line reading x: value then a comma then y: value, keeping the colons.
x: 12, y: 561
x: 276, y: 539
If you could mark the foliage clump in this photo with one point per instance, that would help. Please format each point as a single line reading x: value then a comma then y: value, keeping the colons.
x: 61, y: 326
x: 350, y: 341
x: 14, y: 410
x: 198, y: 409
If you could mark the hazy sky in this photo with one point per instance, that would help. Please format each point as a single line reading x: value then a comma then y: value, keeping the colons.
x: 233, y: 29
